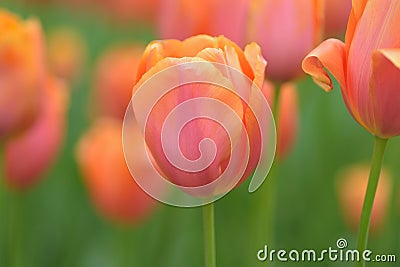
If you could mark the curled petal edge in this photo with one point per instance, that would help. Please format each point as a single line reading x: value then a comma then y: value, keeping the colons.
x: 329, y: 55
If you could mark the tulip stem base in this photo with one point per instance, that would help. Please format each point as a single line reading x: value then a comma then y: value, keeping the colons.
x: 209, y: 235
x: 376, y: 165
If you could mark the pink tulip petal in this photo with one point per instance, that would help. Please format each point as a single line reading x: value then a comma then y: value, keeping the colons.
x: 330, y: 55
x: 385, y: 91
x: 257, y: 63
x: 192, y: 133
x: 229, y: 18
x: 358, y: 7
x: 213, y: 55
x: 286, y: 30
x: 351, y: 28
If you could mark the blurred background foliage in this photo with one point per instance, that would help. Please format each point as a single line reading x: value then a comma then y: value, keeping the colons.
x: 57, y: 225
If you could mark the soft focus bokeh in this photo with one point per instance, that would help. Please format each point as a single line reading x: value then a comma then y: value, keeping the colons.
x: 54, y: 222
x: 351, y: 186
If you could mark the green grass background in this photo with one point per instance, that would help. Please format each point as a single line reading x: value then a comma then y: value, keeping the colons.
x: 57, y: 226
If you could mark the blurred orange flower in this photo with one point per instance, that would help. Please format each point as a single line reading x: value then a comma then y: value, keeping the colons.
x: 352, y: 185
x: 112, y: 189
x: 367, y: 65
x: 29, y: 154
x: 67, y: 53
x: 115, y: 77
x: 288, y: 117
x: 22, y: 72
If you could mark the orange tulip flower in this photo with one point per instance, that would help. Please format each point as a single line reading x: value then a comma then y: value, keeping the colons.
x: 336, y: 15
x: 287, y: 127
x: 286, y: 31
x: 180, y: 19
x: 161, y: 55
x: 115, y: 78
x: 367, y: 65
x: 112, y: 189
x: 22, y: 72
x: 28, y: 155
x: 352, y: 184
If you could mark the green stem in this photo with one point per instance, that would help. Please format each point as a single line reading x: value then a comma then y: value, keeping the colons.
x: 209, y: 235
x: 275, y: 107
x: 15, y: 232
x: 376, y: 165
